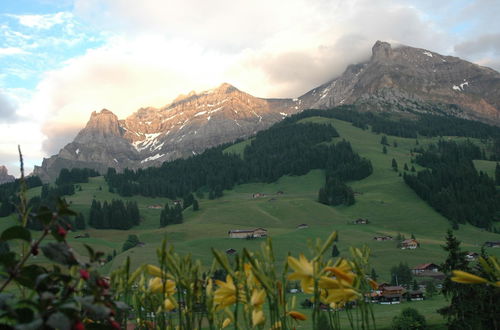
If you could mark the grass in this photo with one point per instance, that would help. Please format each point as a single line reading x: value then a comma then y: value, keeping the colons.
x: 383, y: 198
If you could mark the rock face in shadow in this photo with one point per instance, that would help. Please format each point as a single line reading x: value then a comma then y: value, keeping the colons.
x: 401, y: 79
x: 4, y: 175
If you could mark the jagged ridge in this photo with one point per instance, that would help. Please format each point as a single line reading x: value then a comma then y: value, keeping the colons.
x: 394, y: 79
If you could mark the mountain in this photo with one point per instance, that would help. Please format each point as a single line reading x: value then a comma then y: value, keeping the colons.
x: 400, y: 79
x: 4, y: 175
x: 413, y: 79
x: 185, y: 127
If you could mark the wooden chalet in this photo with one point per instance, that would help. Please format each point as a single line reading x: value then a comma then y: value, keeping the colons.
x: 415, y: 295
x: 423, y: 268
x: 247, y: 233
x: 391, y: 294
x: 303, y: 226
x: 231, y: 251
x: 410, y: 244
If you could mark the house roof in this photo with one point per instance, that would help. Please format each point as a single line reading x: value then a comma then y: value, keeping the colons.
x: 409, y: 241
x: 424, y: 266
x: 246, y: 230
x: 393, y: 288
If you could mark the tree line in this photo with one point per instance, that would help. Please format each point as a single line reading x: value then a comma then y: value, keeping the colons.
x: 284, y: 149
x: 114, y: 215
x: 453, y: 187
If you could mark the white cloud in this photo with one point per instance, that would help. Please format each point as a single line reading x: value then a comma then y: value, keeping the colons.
x: 12, y: 51
x: 42, y: 22
x: 157, y: 49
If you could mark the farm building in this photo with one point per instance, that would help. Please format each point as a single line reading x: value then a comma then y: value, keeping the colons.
x: 361, y: 221
x: 383, y: 238
x: 230, y: 251
x: 247, y: 233
x: 409, y: 244
x: 155, y: 207
x: 423, y: 268
x: 471, y: 256
x: 492, y: 244
x: 303, y: 226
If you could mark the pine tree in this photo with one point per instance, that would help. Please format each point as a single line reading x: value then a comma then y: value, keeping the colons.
x: 196, y: 206
x: 335, y: 251
x: 412, y: 168
x: 384, y: 149
x: 405, y: 167
x: 497, y: 174
x: 80, y: 222
x: 384, y: 141
x: 460, y: 313
x: 374, y: 275
x: 394, y: 165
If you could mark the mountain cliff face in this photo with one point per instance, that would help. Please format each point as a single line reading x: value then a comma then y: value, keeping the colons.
x: 407, y: 78
x: 394, y: 79
x: 150, y: 136
x: 4, y: 175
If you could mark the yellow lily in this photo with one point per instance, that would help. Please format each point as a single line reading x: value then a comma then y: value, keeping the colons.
x: 297, y: 316
x: 339, y: 272
x: 467, y: 278
x: 258, y: 317
x: 225, y: 295
x: 304, y: 271
x: 226, y: 323
x: 169, y: 304
x: 258, y: 297
x: 156, y: 285
x: 341, y: 295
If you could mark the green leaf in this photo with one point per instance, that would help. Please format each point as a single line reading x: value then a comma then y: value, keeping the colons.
x: 59, y: 321
x: 24, y: 314
x: 62, y: 208
x: 60, y: 253
x: 8, y: 259
x: 44, y: 214
x: 16, y: 232
x: 29, y: 274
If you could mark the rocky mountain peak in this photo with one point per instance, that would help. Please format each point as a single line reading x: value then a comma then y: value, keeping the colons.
x: 101, y: 124
x: 4, y: 175
x: 381, y: 51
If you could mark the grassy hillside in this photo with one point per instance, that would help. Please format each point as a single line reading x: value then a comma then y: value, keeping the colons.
x: 383, y: 198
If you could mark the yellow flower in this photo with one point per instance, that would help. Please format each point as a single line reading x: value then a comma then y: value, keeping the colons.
x: 373, y: 284
x: 154, y: 271
x: 169, y: 304
x: 276, y: 325
x: 467, y: 278
x: 297, y: 316
x: 225, y: 295
x: 155, y: 285
x: 304, y: 271
x: 226, y: 323
x: 341, y: 273
x: 251, y: 279
x: 341, y: 295
x: 258, y: 297
x: 332, y: 283
x: 258, y: 317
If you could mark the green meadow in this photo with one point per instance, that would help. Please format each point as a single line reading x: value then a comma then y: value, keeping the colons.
x: 383, y: 198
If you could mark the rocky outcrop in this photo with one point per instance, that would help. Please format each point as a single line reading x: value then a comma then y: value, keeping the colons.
x: 150, y: 136
x: 403, y: 79
x: 4, y: 175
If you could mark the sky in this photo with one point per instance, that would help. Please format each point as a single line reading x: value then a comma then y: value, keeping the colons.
x: 62, y: 59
